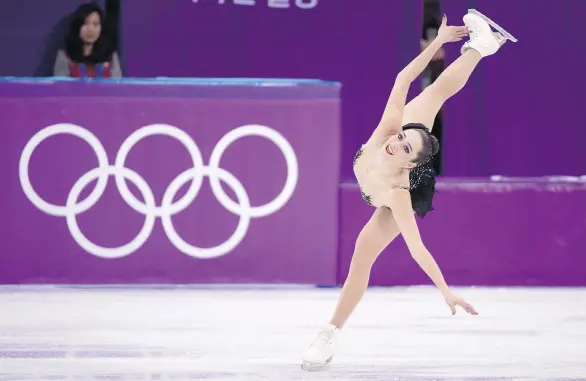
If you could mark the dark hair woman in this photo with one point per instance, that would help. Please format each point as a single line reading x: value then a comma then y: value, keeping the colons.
x: 88, y: 52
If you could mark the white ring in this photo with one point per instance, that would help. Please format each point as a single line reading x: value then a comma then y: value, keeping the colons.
x: 290, y: 159
x: 230, y: 243
x: 168, y: 208
x: 25, y: 157
x: 196, y: 159
x: 147, y: 227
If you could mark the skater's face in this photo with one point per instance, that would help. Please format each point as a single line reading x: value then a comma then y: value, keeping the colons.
x: 91, y: 29
x: 404, y: 147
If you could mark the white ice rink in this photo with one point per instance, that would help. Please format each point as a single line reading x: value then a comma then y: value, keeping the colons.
x: 218, y: 334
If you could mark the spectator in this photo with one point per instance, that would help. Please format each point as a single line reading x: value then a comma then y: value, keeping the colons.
x: 431, y: 73
x: 88, y: 52
x: 436, y: 66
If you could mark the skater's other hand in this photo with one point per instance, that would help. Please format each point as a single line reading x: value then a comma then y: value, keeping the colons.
x: 454, y: 300
x: 451, y: 33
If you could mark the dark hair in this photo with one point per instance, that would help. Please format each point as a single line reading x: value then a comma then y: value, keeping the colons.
x: 102, y: 50
x: 430, y: 144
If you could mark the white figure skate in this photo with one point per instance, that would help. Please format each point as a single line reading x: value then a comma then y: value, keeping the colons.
x: 496, y: 26
x: 482, y: 38
x: 320, y: 353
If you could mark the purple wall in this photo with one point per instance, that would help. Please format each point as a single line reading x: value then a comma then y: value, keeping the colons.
x: 31, y: 32
x: 521, y: 113
x: 149, y: 237
x: 522, y: 232
x: 361, y: 44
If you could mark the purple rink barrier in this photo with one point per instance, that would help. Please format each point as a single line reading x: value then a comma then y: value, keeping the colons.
x: 60, y: 225
x: 361, y: 44
x: 524, y: 232
x: 528, y: 96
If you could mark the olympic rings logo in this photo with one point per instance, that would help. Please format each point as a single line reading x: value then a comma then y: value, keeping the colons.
x: 168, y: 207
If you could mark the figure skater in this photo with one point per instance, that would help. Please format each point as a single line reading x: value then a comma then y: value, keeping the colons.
x: 396, y: 177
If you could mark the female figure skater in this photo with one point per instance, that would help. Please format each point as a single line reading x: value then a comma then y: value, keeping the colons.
x: 396, y: 177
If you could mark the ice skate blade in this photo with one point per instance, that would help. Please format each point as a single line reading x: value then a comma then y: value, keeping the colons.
x: 313, y: 367
x: 496, y: 26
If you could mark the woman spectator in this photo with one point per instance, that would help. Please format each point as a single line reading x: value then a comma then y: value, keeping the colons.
x: 88, y: 52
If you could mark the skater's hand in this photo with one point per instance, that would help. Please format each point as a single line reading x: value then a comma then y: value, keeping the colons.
x: 451, y: 33
x: 454, y: 300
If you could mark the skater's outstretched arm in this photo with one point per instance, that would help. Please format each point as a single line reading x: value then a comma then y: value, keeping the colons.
x: 391, y: 121
x: 399, y: 201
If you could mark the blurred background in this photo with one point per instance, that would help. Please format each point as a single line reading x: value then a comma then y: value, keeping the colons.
x: 511, y: 198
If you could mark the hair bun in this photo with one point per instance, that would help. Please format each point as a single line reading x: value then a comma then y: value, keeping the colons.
x: 435, y: 146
